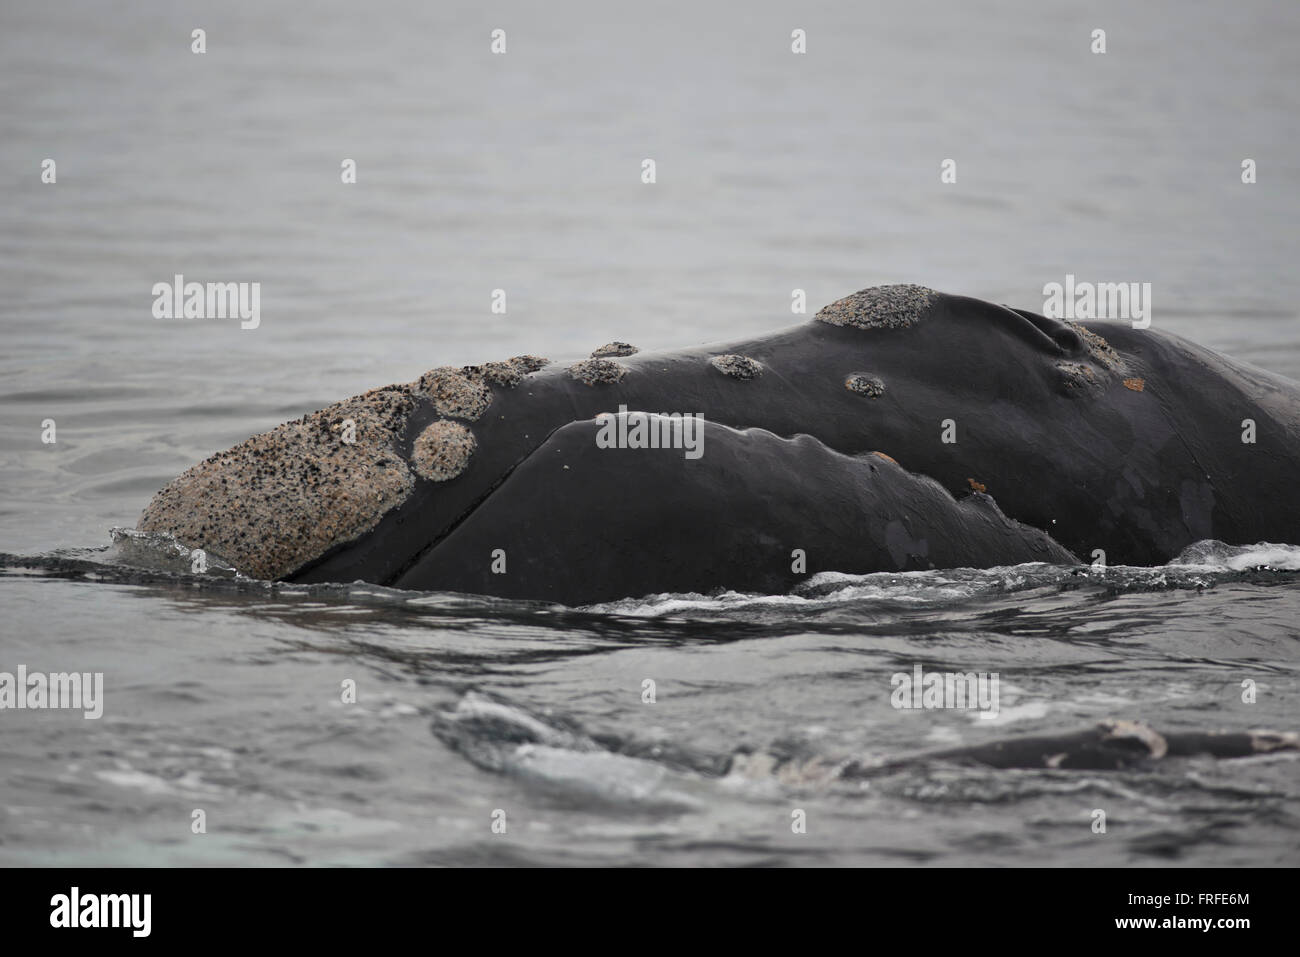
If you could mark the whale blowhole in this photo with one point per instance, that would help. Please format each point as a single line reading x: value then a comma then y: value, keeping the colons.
x: 1101, y: 351
x: 1078, y: 375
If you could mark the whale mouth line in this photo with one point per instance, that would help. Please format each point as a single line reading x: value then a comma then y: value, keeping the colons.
x: 743, y: 431
x: 390, y: 580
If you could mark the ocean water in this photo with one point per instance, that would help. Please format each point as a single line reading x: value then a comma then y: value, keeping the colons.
x: 522, y: 172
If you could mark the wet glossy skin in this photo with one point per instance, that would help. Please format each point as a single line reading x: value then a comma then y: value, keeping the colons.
x: 1055, y: 429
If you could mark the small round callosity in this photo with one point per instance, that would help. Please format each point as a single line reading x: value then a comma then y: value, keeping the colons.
x: 1077, y: 375
x: 1101, y: 351
x: 864, y: 384
x: 512, y: 371
x: 615, y: 349
x: 880, y: 307
x: 455, y: 392
x: 598, y: 371
x: 442, y: 450
x: 530, y: 364
x: 738, y: 367
x: 283, y: 498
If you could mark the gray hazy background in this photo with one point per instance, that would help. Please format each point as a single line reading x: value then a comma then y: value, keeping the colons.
x: 522, y: 172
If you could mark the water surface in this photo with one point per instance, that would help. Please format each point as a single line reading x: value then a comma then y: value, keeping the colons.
x: 522, y: 172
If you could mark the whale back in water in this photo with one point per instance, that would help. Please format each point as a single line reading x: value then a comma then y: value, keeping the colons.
x: 901, y: 429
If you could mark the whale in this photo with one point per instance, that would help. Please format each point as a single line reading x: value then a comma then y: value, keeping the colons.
x: 898, y: 429
x: 500, y: 736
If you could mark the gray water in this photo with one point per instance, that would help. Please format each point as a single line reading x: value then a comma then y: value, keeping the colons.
x: 522, y: 172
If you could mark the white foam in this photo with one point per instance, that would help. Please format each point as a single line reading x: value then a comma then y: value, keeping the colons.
x: 1216, y: 556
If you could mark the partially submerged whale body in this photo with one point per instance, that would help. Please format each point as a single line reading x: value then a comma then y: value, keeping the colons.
x: 503, y: 737
x: 900, y: 429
